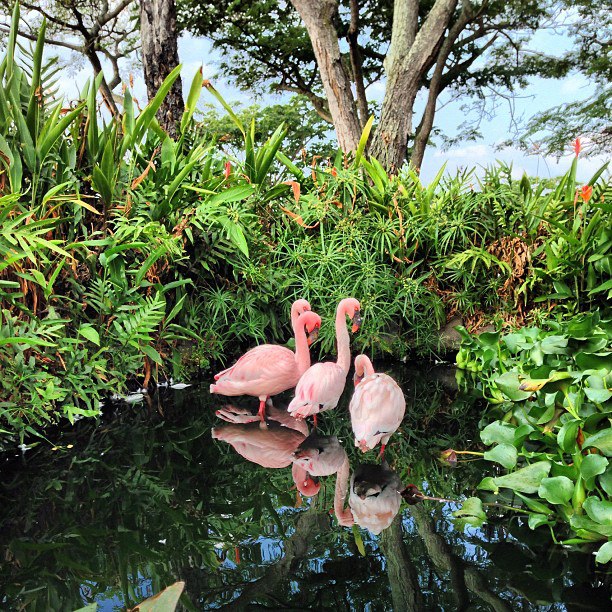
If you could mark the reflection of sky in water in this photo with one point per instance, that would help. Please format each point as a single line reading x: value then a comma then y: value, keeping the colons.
x: 217, y: 506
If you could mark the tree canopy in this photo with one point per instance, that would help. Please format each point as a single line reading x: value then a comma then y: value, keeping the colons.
x: 479, y: 50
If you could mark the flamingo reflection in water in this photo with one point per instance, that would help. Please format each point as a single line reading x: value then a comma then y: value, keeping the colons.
x: 374, y: 497
x: 270, y: 444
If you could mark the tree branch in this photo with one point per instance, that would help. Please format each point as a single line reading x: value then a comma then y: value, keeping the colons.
x: 356, y: 63
x: 50, y: 41
x: 319, y: 103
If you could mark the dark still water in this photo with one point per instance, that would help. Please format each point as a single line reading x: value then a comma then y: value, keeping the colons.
x: 121, y: 509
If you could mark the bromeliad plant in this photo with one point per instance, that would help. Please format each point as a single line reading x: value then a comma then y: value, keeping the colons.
x: 550, y: 423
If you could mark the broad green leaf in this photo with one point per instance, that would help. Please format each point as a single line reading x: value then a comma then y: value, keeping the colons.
x: 601, y: 440
x: 504, y: 454
x: 87, y: 331
x: 233, y: 194
x: 152, y: 354
x: 471, y: 512
x: 488, y: 484
x: 554, y: 345
x: 598, y: 510
x: 498, y: 431
x: 556, y: 490
x: 534, y: 504
x: 604, y: 554
x: 359, y: 541
x: 605, y: 480
x: 578, y: 521
x: 566, y: 437
x: 593, y: 465
x: 509, y: 384
x: 525, y: 480
x: 536, y: 520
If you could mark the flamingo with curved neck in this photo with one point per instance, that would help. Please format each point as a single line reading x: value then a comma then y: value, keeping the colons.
x: 322, y: 384
x: 270, y: 369
x: 377, y: 406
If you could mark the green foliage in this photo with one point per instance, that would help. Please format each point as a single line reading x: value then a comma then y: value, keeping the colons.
x: 550, y: 391
x: 126, y: 255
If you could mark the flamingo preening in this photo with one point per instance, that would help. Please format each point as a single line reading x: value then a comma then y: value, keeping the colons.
x: 377, y: 406
x: 375, y: 497
x: 321, y: 386
x: 270, y: 369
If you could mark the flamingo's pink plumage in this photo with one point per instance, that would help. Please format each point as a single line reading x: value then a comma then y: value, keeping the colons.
x: 322, y: 384
x: 377, y: 406
x: 270, y: 369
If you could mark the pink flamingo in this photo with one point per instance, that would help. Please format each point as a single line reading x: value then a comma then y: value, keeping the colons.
x: 377, y: 406
x: 270, y: 369
x: 322, y: 384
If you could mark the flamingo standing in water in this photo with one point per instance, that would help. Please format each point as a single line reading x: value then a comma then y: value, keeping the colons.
x: 377, y: 406
x: 322, y: 384
x: 269, y: 369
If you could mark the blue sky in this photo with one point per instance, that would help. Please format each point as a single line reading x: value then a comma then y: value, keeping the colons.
x: 539, y: 95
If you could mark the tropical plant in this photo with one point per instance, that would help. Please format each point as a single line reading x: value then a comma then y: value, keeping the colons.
x: 550, y: 423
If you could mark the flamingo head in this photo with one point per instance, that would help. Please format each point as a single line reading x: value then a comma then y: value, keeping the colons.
x: 304, y: 457
x: 367, y: 489
x: 299, y: 306
x: 309, y: 486
x: 363, y: 367
x: 312, y: 323
x: 351, y: 308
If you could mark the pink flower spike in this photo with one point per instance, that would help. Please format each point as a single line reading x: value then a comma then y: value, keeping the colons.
x: 577, y: 146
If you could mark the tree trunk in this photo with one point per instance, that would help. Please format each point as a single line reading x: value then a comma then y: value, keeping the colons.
x: 160, y: 57
x: 403, y: 576
x: 406, y: 66
x: 317, y: 16
x: 435, y: 86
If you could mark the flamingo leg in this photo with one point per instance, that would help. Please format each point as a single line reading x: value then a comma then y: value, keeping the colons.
x: 314, y: 420
x: 262, y: 410
x: 382, y: 451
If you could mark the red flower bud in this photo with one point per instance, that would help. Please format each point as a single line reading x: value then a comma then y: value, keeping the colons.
x: 228, y: 170
x: 577, y: 146
x: 586, y: 192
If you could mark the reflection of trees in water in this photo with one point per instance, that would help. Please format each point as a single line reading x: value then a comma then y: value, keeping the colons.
x: 96, y: 514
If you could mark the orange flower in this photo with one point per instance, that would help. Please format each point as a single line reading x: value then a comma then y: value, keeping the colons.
x: 586, y: 192
x: 334, y: 172
x: 577, y: 146
x: 228, y: 170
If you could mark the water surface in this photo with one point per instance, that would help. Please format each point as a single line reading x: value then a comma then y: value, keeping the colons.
x: 122, y: 508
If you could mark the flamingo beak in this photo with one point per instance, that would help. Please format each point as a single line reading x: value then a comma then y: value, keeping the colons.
x: 356, y: 321
x: 357, y: 379
x: 313, y: 335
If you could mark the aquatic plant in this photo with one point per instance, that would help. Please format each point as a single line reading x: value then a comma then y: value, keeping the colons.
x: 549, y: 423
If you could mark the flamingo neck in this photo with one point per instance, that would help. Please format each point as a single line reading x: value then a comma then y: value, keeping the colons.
x: 340, y: 492
x: 295, y: 315
x: 343, y: 341
x: 364, y: 366
x: 302, y: 352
